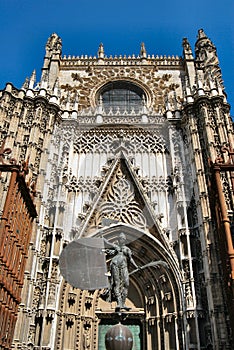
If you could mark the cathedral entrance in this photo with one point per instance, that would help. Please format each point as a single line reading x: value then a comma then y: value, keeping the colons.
x: 154, y: 313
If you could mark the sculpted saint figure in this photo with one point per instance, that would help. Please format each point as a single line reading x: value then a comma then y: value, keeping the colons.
x: 119, y: 280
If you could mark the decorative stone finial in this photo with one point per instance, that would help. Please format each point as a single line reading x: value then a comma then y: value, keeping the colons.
x: 206, y: 58
x: 201, y: 34
x: 143, y: 50
x: 101, y: 51
x: 205, y: 49
x: 25, y: 84
x: 187, y: 49
x: 32, y: 79
x: 56, y: 92
x: 54, y: 44
x: 44, y: 82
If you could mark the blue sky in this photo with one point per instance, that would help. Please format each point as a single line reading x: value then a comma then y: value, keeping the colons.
x: 121, y: 25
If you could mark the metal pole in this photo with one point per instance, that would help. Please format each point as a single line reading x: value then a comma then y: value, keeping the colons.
x: 225, y: 219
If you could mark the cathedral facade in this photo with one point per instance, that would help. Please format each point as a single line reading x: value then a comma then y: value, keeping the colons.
x: 134, y: 144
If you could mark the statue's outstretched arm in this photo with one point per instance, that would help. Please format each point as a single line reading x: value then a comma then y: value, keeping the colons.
x: 132, y: 261
x: 112, y: 245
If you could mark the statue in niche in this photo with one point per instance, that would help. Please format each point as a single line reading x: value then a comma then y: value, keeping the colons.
x: 119, y: 276
x: 86, y: 339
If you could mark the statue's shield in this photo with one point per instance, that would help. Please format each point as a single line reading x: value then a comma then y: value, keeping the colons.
x: 83, y: 265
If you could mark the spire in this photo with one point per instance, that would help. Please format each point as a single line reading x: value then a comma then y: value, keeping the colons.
x: 101, y: 51
x: 56, y: 92
x: 189, y: 62
x: 204, y: 48
x: 187, y: 49
x: 206, y: 57
x: 25, y: 84
x: 32, y: 79
x: 43, y: 83
x: 201, y: 34
x: 54, y: 45
x: 143, y: 51
x: 29, y: 84
x: 44, y: 80
x: 56, y: 88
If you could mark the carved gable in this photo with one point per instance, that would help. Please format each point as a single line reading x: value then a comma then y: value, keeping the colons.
x: 121, y: 200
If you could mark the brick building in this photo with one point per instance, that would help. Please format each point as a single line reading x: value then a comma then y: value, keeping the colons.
x: 17, y: 214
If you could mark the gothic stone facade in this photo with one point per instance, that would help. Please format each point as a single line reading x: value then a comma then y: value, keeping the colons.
x: 125, y: 144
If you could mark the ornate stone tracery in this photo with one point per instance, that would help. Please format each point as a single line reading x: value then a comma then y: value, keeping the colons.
x: 107, y: 142
x: 120, y: 204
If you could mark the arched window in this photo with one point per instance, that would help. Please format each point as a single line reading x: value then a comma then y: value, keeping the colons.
x: 122, y: 96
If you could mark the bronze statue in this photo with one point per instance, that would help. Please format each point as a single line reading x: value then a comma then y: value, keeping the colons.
x: 119, y: 279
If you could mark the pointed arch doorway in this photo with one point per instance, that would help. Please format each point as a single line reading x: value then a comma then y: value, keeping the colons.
x: 154, y: 296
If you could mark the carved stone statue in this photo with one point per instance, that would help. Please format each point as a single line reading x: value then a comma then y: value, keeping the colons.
x: 119, y: 279
x: 86, y: 339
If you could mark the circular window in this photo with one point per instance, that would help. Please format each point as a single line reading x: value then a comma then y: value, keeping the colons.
x: 122, y: 96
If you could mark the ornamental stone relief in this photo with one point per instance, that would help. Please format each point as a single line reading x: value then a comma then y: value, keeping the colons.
x: 227, y: 192
x: 88, y: 184
x: 120, y: 205
x: 88, y: 81
x: 107, y: 142
x: 158, y: 184
x: 91, y: 185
